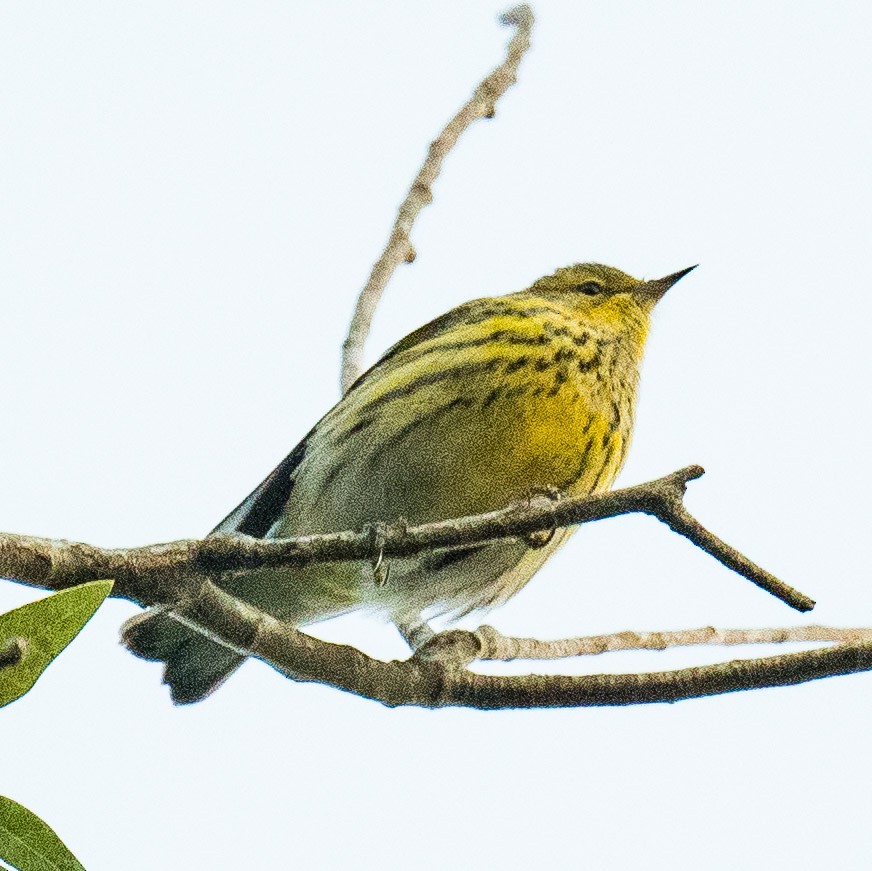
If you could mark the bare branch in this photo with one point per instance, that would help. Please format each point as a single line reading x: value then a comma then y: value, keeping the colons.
x: 661, y: 498
x: 493, y: 645
x: 399, y: 249
x: 436, y: 674
x: 430, y: 680
x: 492, y: 691
x: 143, y: 573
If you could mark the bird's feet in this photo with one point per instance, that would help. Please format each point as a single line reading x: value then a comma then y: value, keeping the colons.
x: 542, y: 536
x: 416, y: 632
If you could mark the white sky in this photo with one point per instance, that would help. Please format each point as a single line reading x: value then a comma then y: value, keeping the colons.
x: 190, y: 197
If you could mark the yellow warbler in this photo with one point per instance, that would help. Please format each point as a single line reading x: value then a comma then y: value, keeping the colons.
x: 493, y: 401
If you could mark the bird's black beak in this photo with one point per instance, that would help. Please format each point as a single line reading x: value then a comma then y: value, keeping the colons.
x: 654, y: 290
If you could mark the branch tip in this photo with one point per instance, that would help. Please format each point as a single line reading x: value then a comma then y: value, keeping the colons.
x: 679, y: 480
x: 692, y: 473
x: 520, y: 16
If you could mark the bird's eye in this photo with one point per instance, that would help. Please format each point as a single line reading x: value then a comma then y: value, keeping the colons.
x: 591, y: 288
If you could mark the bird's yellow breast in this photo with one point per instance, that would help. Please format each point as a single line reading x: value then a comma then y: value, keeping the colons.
x: 459, y: 425
x: 511, y: 440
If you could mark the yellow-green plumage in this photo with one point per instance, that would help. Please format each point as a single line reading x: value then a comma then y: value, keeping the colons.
x: 495, y: 400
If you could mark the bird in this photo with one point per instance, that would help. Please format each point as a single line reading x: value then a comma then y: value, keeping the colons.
x: 494, y: 401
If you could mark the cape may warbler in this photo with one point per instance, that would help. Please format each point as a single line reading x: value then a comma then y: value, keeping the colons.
x: 493, y: 401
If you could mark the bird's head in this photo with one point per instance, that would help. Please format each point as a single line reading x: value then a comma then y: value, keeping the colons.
x: 605, y: 295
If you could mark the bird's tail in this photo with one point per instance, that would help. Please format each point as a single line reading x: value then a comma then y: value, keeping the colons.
x: 195, y: 665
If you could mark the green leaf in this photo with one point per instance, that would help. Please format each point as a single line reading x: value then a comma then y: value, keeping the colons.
x: 41, y: 630
x: 26, y: 842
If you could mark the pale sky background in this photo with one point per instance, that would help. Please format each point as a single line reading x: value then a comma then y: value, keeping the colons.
x: 191, y: 195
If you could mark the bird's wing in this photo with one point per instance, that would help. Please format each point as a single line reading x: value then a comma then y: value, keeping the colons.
x: 260, y: 510
x: 264, y: 506
x: 431, y: 330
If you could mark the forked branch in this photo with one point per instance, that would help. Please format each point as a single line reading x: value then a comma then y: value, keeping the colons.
x: 661, y: 498
x: 143, y: 573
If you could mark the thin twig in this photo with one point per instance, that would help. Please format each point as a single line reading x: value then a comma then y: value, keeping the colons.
x: 399, y: 249
x: 493, y: 645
